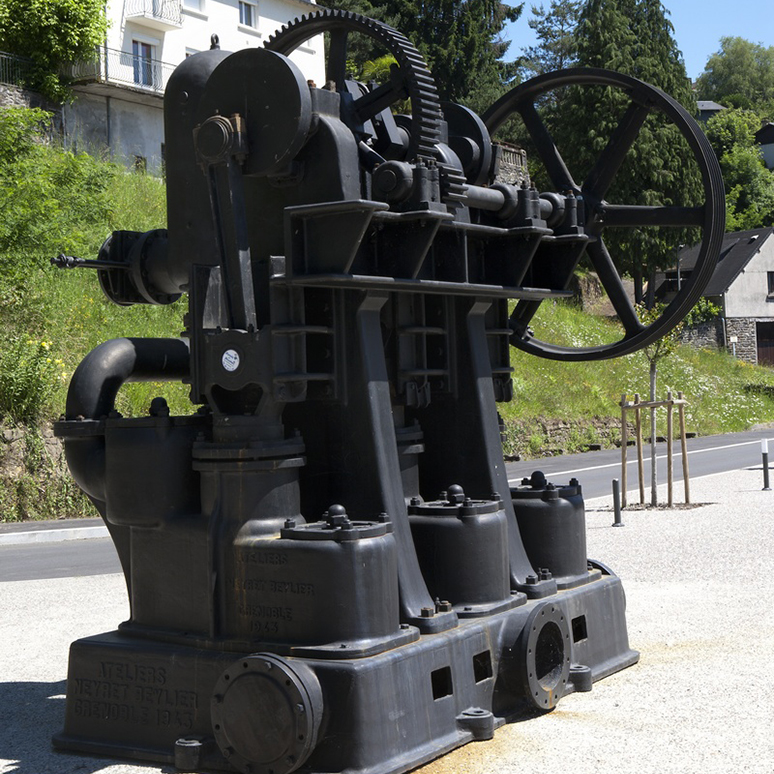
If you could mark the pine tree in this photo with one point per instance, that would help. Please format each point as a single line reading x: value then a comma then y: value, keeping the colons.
x: 635, y: 37
x: 460, y: 39
x: 555, y: 30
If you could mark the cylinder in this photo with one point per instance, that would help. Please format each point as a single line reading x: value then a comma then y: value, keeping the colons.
x: 266, y: 713
x: 328, y: 583
x: 149, y: 477
x: 462, y: 549
x: 552, y: 524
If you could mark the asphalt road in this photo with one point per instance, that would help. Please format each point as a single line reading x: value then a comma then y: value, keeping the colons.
x: 595, y: 471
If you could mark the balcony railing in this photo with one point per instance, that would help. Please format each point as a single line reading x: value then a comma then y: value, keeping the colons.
x: 124, y: 68
x: 14, y: 69
x: 159, y: 14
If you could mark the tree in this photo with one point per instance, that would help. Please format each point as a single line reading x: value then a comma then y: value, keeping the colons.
x: 749, y: 185
x: 460, y: 39
x: 555, y: 31
x: 740, y: 75
x: 53, y: 33
x: 635, y: 37
x: 654, y: 354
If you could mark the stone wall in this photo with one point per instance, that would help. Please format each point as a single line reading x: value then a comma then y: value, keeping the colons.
x: 747, y: 342
x: 587, y: 290
x: 513, y: 165
x: 34, y: 480
x: 13, y: 96
x: 705, y: 334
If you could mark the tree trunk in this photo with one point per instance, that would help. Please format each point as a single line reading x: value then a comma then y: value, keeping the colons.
x: 653, y: 472
x: 637, y: 277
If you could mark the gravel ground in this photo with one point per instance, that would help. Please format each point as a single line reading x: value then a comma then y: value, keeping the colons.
x: 700, y: 590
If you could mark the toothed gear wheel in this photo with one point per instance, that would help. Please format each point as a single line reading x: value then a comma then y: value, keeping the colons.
x: 453, y: 185
x: 425, y: 105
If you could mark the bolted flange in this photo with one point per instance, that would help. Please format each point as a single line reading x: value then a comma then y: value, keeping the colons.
x: 545, y: 656
x: 266, y: 714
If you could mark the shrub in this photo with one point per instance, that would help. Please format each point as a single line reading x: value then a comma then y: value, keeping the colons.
x: 28, y: 376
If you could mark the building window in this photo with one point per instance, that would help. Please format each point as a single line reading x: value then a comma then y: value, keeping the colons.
x: 142, y: 60
x: 770, y: 279
x: 248, y: 14
x: 194, y: 5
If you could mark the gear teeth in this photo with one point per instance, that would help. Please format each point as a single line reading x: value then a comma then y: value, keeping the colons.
x: 453, y: 185
x: 426, y: 106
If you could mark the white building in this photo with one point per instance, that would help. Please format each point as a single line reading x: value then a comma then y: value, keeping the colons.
x: 118, y: 104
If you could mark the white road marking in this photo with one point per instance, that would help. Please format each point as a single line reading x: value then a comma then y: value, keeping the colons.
x: 633, y: 460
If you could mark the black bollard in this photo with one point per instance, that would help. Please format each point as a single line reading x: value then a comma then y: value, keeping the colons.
x: 617, y: 503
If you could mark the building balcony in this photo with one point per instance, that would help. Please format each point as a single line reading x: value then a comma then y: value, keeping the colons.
x: 14, y: 69
x: 161, y: 15
x: 123, y: 68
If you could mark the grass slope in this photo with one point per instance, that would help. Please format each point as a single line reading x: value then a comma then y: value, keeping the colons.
x: 724, y: 394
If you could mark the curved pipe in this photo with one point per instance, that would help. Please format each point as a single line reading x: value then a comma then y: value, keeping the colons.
x: 104, y: 370
x: 93, y: 391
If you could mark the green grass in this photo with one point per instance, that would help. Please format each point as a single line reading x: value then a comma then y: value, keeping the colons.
x: 716, y: 385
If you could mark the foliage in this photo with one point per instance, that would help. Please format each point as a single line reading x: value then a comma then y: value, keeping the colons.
x: 46, y: 195
x: 749, y: 185
x: 28, y: 376
x: 703, y: 311
x: 729, y: 128
x: 53, y: 33
x: 54, y: 201
x: 661, y: 348
x: 749, y: 190
x: 555, y: 31
x: 50, y: 200
x: 740, y: 75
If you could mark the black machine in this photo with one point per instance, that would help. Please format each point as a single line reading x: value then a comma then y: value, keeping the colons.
x: 327, y: 568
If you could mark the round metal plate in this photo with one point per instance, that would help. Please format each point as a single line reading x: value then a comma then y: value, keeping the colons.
x: 266, y: 714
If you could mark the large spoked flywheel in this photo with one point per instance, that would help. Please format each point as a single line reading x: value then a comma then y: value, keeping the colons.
x: 707, y: 215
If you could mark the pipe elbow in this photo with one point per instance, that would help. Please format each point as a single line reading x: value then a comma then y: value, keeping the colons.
x: 92, y: 394
x: 106, y: 368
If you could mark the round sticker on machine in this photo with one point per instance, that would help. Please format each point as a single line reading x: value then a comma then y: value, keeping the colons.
x: 230, y: 360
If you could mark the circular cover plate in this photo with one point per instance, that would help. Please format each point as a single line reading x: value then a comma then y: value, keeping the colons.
x: 272, y: 95
x: 266, y: 715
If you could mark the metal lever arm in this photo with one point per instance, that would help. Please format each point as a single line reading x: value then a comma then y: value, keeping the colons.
x: 221, y: 146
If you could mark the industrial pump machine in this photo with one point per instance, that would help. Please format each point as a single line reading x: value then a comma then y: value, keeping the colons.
x: 327, y: 567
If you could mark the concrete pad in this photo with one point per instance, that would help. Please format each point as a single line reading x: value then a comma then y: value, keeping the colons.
x: 700, y: 595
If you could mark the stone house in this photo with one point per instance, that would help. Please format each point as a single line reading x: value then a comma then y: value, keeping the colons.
x: 742, y: 285
x: 118, y: 104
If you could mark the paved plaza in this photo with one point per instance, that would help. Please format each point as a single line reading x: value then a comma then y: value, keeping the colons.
x: 700, y: 607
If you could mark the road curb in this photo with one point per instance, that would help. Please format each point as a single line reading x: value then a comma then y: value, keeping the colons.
x: 52, y: 535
